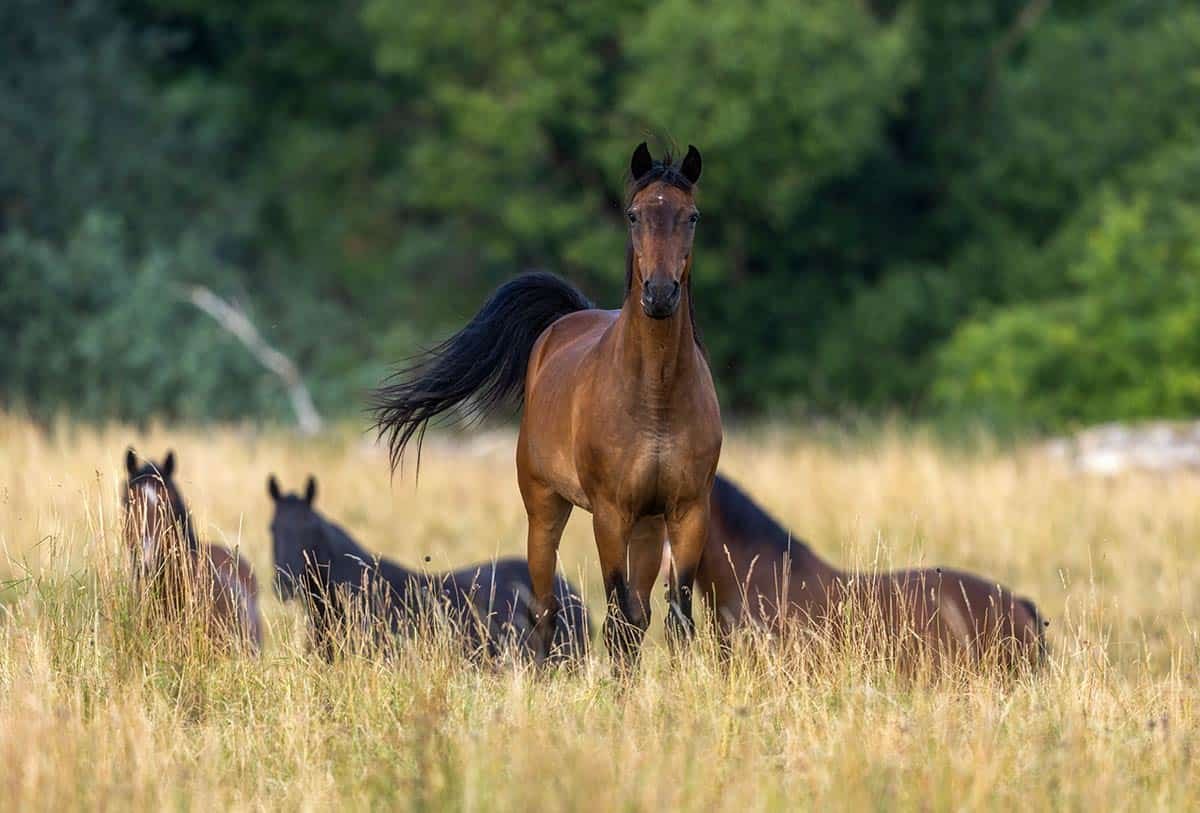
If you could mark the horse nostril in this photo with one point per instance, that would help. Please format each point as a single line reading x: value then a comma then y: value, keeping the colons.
x: 675, y: 287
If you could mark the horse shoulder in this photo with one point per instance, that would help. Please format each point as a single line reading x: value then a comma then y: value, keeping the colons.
x: 578, y: 331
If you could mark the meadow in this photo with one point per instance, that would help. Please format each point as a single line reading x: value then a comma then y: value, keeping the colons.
x: 97, y: 711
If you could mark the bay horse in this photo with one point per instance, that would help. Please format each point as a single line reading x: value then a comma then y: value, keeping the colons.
x: 190, y: 580
x: 342, y: 585
x: 754, y: 572
x: 620, y: 413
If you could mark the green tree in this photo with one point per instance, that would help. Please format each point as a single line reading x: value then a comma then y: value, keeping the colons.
x: 1122, y: 343
x: 84, y: 127
x: 1022, y: 120
x: 360, y: 174
x: 91, y: 328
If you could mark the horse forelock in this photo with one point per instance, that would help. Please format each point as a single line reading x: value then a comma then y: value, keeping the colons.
x: 662, y: 171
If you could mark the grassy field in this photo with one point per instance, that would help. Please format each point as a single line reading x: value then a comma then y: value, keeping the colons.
x: 97, y: 712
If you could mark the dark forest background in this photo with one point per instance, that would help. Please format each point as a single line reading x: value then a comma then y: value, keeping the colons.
x: 983, y: 208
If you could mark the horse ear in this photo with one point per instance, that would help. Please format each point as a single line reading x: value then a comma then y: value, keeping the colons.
x: 690, y: 168
x: 168, y: 466
x: 131, y: 465
x: 310, y: 491
x: 273, y: 488
x: 641, y: 163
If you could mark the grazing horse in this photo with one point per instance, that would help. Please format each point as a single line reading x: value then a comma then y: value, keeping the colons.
x: 343, y: 585
x: 620, y: 414
x: 755, y: 572
x: 180, y: 571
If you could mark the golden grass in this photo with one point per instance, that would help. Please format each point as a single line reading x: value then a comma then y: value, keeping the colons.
x: 97, y: 712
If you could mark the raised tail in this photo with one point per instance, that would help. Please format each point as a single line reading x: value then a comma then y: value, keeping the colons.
x: 477, y: 369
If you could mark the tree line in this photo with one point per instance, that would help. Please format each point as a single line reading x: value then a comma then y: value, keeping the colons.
x: 986, y: 208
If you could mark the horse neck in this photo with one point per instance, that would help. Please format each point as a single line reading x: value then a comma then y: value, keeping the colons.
x: 174, y: 579
x: 658, y: 353
x: 339, y: 554
x: 181, y: 521
x: 753, y: 543
x: 807, y: 565
x: 347, y: 559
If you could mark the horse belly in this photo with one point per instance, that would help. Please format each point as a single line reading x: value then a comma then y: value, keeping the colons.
x: 557, y: 383
x: 543, y: 457
x: 572, y: 491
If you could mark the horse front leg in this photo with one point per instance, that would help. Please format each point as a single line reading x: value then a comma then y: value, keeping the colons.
x: 646, y: 554
x: 547, y: 513
x: 687, y: 530
x: 628, y: 609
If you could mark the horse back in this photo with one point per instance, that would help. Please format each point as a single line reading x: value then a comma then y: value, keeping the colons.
x: 970, y: 615
x: 567, y: 342
x: 499, y: 595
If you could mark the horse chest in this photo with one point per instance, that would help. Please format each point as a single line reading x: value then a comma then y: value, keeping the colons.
x: 645, y: 473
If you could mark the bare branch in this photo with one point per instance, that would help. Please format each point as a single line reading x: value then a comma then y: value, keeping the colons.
x: 232, y: 319
x: 1026, y: 20
x: 1028, y: 17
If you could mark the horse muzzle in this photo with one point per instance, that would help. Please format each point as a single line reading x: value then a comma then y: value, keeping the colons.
x: 660, y: 300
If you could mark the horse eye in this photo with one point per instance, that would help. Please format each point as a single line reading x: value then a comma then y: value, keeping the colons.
x: 694, y: 217
x: 632, y: 216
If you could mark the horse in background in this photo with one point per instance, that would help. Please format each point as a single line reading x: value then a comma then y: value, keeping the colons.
x: 620, y: 413
x: 754, y: 572
x: 345, y: 587
x: 181, y: 573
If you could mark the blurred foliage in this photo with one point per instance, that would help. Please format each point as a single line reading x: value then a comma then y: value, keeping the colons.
x: 915, y: 205
x: 89, y: 326
x: 1123, y: 342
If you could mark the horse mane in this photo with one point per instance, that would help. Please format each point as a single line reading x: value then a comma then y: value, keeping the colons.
x: 347, y: 559
x: 339, y: 541
x: 662, y: 171
x: 751, y: 522
x: 183, y: 515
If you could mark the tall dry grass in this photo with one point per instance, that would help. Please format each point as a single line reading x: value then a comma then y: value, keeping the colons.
x: 100, y: 709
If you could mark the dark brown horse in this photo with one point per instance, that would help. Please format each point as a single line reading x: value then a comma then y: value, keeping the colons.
x: 344, y: 586
x: 189, y: 580
x: 621, y: 418
x: 755, y: 572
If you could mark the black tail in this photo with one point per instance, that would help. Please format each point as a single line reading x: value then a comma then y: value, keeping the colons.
x: 477, y: 369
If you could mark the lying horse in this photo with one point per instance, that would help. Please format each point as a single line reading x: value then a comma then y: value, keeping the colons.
x: 343, y: 585
x: 750, y: 562
x: 180, y: 572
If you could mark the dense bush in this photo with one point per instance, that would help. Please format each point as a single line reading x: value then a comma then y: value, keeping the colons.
x: 1123, y: 342
x: 92, y: 329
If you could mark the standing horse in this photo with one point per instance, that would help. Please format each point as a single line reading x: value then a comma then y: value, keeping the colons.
x: 183, y: 574
x: 342, y: 584
x: 755, y: 572
x: 620, y: 414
